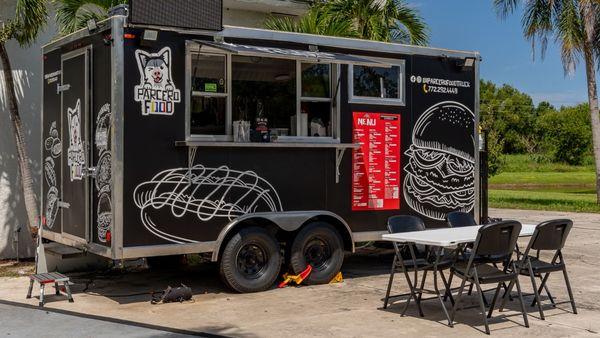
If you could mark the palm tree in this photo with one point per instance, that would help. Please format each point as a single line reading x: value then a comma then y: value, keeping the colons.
x: 73, y: 15
x: 314, y: 22
x: 382, y: 20
x: 30, y: 18
x: 575, y: 25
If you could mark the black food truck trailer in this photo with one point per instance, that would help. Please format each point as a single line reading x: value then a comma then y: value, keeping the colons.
x: 164, y: 137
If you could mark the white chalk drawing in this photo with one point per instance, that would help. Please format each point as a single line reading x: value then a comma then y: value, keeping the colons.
x: 156, y: 91
x: 104, y: 216
x: 53, y: 146
x: 51, y: 207
x: 49, y: 172
x: 52, y: 142
x: 102, y: 127
x: 204, y: 192
x: 103, y: 172
x: 75, y: 152
x: 440, y: 177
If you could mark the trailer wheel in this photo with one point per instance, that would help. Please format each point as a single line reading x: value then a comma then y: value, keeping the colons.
x: 320, y: 245
x: 250, y: 261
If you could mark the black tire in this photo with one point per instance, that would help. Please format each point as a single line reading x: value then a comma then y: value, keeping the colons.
x: 320, y: 245
x: 250, y: 261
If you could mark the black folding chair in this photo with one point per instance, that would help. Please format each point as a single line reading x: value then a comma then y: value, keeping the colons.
x: 415, y: 258
x: 548, y: 236
x: 457, y: 219
x: 495, y: 239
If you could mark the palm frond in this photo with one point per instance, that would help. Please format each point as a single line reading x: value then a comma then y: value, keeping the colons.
x: 409, y: 18
x: 30, y: 18
x: 574, y: 25
x: 400, y: 35
x: 314, y: 22
x: 286, y: 24
x: 72, y: 15
x: 537, y: 23
x: 389, y: 20
x: 569, y: 33
x: 505, y: 7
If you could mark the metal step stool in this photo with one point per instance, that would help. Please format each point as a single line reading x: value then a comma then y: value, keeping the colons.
x: 49, y: 278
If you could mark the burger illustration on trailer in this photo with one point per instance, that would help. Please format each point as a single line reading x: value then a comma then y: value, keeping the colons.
x: 439, y: 176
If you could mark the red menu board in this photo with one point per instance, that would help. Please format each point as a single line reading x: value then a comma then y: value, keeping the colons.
x: 376, y: 164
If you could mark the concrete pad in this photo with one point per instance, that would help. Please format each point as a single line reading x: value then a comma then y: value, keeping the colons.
x: 349, y: 309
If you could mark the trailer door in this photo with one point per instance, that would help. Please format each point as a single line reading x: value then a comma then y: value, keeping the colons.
x: 75, y: 102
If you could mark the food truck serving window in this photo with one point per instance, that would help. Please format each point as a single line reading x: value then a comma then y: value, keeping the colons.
x: 208, y: 106
x: 377, y: 85
x: 316, y: 110
x: 264, y: 96
x: 260, y: 94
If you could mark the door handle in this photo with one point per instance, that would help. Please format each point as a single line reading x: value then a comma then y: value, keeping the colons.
x: 62, y: 204
x: 90, y: 172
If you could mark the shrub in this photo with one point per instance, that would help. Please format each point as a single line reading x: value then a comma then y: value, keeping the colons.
x: 566, y: 134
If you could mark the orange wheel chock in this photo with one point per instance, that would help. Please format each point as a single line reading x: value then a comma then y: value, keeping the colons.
x: 287, y: 278
x: 337, y: 278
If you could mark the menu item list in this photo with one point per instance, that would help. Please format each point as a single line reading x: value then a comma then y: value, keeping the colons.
x: 376, y: 164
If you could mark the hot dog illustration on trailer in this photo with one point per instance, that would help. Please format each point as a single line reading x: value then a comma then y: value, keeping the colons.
x: 205, y: 193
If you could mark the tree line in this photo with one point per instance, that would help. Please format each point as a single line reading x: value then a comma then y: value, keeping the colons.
x: 515, y: 125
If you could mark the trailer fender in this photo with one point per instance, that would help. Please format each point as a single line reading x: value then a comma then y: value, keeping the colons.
x: 287, y: 221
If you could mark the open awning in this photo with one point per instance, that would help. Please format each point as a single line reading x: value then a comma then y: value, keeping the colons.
x: 294, y: 54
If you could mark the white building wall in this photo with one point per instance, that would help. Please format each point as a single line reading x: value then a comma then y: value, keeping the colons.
x: 27, y: 72
x: 252, y: 13
x: 237, y: 17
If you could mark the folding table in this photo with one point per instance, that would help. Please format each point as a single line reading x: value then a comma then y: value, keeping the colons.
x: 441, y: 238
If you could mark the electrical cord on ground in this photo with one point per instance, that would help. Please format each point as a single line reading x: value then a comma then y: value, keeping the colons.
x: 151, y: 293
x: 157, y: 297
x: 89, y: 282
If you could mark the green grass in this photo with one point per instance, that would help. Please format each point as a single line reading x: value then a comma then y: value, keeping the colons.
x: 534, y: 178
x: 543, y: 200
x: 526, y: 182
x: 538, y: 163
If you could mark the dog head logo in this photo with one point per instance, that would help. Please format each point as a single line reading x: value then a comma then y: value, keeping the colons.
x: 156, y: 91
x: 155, y: 67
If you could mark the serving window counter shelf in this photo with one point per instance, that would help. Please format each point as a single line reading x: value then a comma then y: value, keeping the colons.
x: 244, y: 143
x: 340, y: 149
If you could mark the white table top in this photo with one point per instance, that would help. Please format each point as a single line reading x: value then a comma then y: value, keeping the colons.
x: 446, y: 237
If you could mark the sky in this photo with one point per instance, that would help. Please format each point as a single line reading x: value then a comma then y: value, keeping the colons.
x: 507, y: 56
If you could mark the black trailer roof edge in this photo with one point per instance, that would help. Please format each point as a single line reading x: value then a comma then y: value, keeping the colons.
x: 340, y: 42
x: 59, y: 41
x: 265, y: 34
